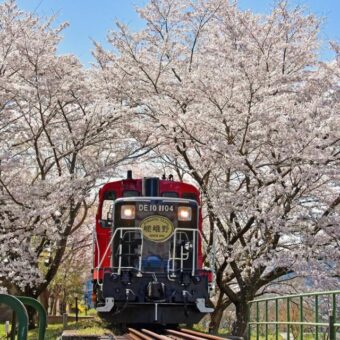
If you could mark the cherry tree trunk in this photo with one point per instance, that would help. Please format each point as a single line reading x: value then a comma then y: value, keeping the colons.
x: 215, y: 319
x: 54, y: 306
x: 242, y: 316
x: 44, y: 297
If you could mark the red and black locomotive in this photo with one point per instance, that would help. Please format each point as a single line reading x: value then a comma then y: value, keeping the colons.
x: 147, y: 253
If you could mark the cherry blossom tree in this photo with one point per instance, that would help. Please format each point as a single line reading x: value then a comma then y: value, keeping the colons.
x: 69, y: 280
x: 240, y: 104
x: 59, y: 137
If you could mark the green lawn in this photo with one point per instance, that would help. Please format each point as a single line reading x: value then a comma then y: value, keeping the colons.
x: 306, y: 336
x: 84, y: 327
x: 262, y: 337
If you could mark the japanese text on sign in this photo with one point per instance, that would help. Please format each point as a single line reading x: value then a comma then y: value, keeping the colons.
x: 157, y: 228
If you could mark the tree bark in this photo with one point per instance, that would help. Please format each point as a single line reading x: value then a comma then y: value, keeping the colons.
x: 242, y: 316
x: 53, y: 305
x: 43, y: 297
x: 215, y: 319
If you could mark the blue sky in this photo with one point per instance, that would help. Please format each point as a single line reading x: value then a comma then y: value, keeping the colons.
x: 91, y: 19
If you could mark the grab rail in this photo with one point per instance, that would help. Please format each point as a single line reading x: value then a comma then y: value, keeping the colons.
x: 120, y: 248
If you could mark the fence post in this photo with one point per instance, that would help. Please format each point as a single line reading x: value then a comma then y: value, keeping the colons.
x: 64, y: 320
x: 316, y: 317
x: 288, y: 318
x: 331, y: 328
x: 76, y: 309
x: 276, y: 319
x: 249, y: 324
x: 301, y: 317
x: 257, y: 321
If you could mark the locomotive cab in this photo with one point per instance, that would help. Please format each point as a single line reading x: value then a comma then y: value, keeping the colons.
x: 148, y: 262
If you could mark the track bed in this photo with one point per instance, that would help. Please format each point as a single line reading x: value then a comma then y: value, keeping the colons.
x: 166, y: 334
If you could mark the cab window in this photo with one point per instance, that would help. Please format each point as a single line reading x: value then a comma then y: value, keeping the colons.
x: 107, y: 205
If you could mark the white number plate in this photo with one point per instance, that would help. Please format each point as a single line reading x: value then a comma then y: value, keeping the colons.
x: 155, y: 207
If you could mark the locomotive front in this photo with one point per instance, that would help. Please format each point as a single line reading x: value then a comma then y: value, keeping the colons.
x: 154, y: 274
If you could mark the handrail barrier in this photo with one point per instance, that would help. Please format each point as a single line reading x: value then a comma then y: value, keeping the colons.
x: 20, y: 311
x: 302, y: 316
x: 42, y: 323
x: 17, y: 303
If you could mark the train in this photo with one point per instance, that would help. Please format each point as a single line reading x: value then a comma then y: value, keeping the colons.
x: 147, y: 253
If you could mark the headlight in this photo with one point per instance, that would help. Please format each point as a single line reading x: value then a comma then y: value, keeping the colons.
x: 127, y: 212
x: 184, y: 213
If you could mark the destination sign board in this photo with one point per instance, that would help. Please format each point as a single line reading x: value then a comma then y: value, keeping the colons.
x: 157, y: 228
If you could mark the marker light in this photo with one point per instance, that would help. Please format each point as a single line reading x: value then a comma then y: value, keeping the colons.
x: 184, y: 213
x: 128, y: 212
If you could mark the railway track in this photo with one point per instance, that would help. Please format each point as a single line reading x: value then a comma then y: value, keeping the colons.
x: 167, y: 334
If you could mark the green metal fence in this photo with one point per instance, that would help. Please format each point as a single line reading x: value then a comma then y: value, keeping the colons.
x: 301, y: 316
x: 42, y: 315
x: 20, y: 311
x: 17, y: 304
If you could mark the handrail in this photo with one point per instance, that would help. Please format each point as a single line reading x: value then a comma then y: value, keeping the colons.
x: 28, y: 301
x: 286, y: 301
x: 138, y: 229
x: 20, y: 310
x: 194, y: 241
x: 296, y: 295
x: 121, y: 229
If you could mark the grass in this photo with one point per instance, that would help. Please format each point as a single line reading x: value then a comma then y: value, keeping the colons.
x: 53, y: 331
x: 306, y: 336
x: 90, y: 312
x: 200, y: 328
x: 270, y: 337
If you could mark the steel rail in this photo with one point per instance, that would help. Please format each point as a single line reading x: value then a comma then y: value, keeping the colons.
x: 169, y: 334
x: 185, y: 335
x: 206, y: 336
x: 155, y: 335
x: 138, y: 334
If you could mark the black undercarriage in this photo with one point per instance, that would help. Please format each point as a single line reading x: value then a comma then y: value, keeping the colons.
x: 153, y: 298
x: 152, y: 313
